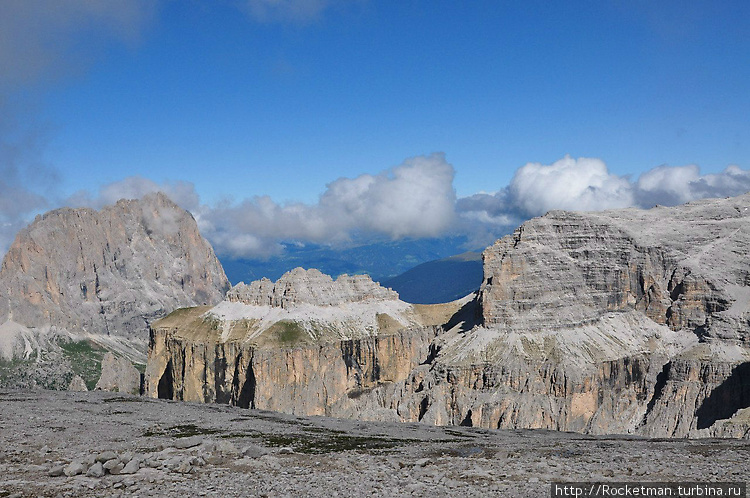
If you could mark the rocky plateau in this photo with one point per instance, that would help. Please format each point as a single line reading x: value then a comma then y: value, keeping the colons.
x: 67, y: 444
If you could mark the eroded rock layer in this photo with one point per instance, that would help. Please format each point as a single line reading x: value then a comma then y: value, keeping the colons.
x: 305, y: 344
x: 624, y: 321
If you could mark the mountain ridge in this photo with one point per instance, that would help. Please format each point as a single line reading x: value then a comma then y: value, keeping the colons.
x: 590, y: 322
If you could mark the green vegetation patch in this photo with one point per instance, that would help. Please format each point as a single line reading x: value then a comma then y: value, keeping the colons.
x: 331, y: 442
x: 9, y: 370
x: 122, y: 399
x: 180, y: 431
x: 86, y: 360
x: 288, y: 333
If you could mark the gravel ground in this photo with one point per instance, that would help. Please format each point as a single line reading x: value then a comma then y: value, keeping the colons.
x: 107, y: 444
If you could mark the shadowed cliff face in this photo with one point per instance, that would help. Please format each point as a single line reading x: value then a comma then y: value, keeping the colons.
x: 327, y: 379
x: 623, y: 321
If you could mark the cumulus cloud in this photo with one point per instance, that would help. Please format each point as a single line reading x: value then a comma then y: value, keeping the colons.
x: 586, y: 184
x: 575, y: 184
x: 670, y: 185
x: 583, y: 184
x: 415, y: 199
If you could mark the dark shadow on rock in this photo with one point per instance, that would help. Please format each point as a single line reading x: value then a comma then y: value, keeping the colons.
x: 247, y: 394
x: 731, y: 395
x: 165, y: 389
x: 661, y: 382
x: 220, y: 372
x: 469, y: 314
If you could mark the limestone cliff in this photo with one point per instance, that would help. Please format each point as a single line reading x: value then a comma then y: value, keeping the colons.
x: 625, y: 321
x: 103, y: 276
x: 305, y: 344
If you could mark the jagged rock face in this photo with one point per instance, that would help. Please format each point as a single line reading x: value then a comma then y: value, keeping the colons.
x: 305, y: 344
x: 311, y: 287
x: 570, y: 295
x: 330, y: 378
x: 616, y: 322
x: 110, y: 271
x: 685, y: 267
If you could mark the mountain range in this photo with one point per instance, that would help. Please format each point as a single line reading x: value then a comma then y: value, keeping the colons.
x: 382, y: 260
x: 623, y: 321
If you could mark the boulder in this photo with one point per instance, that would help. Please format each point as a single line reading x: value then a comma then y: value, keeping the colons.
x: 118, y: 375
x: 77, y: 384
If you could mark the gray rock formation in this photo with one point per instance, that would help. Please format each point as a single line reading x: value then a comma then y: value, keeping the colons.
x: 77, y: 384
x: 241, y: 353
x: 118, y: 375
x: 311, y: 287
x: 624, y: 321
x: 103, y: 276
x: 684, y: 267
x: 109, y: 272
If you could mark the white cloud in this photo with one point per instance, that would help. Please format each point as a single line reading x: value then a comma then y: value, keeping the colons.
x: 586, y: 184
x: 583, y: 184
x: 670, y: 185
x: 415, y: 199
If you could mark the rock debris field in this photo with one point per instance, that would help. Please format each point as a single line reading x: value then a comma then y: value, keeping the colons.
x: 107, y: 444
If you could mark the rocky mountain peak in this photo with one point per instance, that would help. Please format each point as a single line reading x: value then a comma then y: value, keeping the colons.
x: 109, y: 271
x: 310, y: 287
x: 683, y: 266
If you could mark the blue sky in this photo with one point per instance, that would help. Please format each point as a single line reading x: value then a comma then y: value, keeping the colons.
x: 222, y: 103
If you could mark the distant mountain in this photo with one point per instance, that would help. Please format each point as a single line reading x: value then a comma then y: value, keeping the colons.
x: 439, y: 281
x: 381, y: 261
